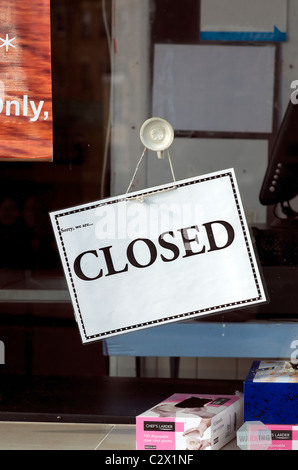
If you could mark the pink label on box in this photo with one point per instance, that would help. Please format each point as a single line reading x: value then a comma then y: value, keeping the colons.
x: 282, y: 437
x: 157, y: 433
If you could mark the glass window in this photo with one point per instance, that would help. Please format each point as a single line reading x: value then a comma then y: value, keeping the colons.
x: 113, y: 64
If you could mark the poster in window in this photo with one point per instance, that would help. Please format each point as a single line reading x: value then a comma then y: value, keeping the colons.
x: 25, y: 81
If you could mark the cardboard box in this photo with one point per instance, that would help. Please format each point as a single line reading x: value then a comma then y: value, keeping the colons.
x: 190, y: 422
x: 254, y: 436
x: 271, y: 393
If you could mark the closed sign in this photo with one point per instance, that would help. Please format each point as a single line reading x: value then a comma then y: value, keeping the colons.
x: 169, y: 253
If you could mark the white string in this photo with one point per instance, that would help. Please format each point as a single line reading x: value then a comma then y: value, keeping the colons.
x: 140, y: 198
x: 171, y: 166
x: 136, y: 170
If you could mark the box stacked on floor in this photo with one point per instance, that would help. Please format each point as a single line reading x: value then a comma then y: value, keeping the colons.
x: 190, y: 422
x: 271, y: 397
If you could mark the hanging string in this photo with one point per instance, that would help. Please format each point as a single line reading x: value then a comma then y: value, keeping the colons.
x: 136, y: 170
x: 140, y: 198
x: 171, y: 166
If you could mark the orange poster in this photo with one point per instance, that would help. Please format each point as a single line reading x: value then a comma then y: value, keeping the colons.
x: 25, y: 81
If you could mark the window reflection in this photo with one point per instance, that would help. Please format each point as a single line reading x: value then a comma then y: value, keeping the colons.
x: 42, y: 337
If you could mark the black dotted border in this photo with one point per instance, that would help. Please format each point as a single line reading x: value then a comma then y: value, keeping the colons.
x: 207, y: 310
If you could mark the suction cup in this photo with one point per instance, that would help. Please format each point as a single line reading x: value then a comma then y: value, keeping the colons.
x: 157, y: 134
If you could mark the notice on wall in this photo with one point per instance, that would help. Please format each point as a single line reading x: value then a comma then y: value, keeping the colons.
x: 169, y: 253
x: 230, y: 88
x: 25, y: 81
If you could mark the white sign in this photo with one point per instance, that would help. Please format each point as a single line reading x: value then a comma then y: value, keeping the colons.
x: 239, y: 98
x: 168, y: 253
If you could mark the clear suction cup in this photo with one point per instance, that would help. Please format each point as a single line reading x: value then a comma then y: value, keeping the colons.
x: 157, y: 134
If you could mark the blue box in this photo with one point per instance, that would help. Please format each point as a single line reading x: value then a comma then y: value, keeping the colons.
x: 271, y: 393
